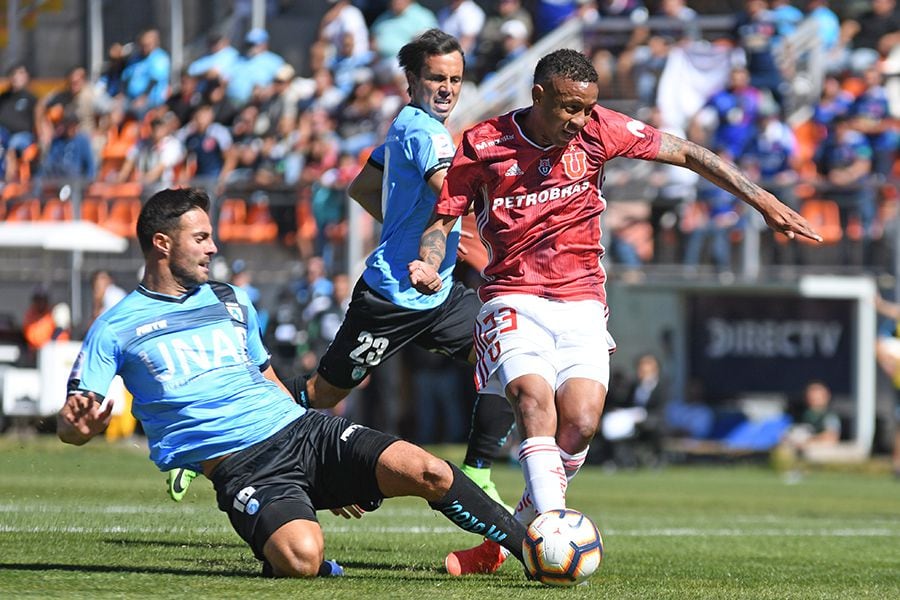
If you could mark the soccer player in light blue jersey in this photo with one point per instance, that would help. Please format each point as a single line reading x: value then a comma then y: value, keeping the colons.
x: 399, y: 187
x: 190, y: 352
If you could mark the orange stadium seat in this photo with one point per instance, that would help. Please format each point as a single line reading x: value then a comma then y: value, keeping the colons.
x: 232, y: 216
x: 56, y: 209
x: 825, y: 217
x: 123, y: 216
x: 25, y: 209
x: 94, y: 209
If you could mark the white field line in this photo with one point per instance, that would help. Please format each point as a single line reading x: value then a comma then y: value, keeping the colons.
x: 363, y: 528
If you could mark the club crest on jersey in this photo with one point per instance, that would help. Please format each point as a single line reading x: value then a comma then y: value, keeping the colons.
x: 234, y: 309
x: 544, y: 166
x: 575, y: 164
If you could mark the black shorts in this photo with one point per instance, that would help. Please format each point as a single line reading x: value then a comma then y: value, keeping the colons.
x: 316, y: 462
x: 375, y: 328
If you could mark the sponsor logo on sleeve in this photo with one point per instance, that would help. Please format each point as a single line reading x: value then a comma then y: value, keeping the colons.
x: 443, y: 145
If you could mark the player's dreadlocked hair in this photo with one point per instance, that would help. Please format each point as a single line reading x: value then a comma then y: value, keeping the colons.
x: 433, y: 42
x: 566, y: 63
x: 162, y: 211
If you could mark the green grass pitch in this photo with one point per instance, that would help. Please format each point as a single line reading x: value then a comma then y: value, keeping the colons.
x: 95, y: 522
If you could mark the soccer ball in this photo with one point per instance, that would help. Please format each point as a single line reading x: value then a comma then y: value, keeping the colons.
x: 562, y: 547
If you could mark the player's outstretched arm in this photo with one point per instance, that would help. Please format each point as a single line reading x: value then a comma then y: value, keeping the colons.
x: 365, y: 189
x: 677, y: 151
x: 425, y: 273
x: 81, y: 418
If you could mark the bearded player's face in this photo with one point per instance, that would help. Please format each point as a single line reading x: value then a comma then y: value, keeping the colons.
x: 565, y: 107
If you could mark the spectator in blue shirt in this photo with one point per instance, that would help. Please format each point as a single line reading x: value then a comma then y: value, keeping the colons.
x: 732, y: 114
x: 757, y: 33
x: 218, y: 61
x: 846, y: 166
x: 146, y: 78
x: 70, y: 155
x: 257, y: 67
x: 871, y: 116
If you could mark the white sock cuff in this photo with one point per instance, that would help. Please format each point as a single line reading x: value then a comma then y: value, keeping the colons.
x: 577, y: 457
x: 537, y: 444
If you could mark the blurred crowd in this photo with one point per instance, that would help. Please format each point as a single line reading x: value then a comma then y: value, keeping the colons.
x: 241, y: 121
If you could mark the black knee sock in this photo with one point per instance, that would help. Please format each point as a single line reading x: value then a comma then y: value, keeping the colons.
x: 492, y: 420
x: 296, y: 385
x: 471, y: 509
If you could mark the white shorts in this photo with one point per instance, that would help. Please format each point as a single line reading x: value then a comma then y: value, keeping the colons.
x: 519, y: 335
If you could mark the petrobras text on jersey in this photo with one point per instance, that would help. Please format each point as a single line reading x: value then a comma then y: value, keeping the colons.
x: 548, y: 195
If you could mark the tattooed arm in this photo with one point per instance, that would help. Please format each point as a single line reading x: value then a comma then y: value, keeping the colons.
x: 425, y: 273
x: 676, y: 151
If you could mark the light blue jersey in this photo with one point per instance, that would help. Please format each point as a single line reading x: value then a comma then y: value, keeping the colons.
x: 193, y: 365
x: 417, y: 145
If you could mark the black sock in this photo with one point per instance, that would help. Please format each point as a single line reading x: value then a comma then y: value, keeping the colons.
x: 492, y: 420
x: 296, y: 385
x: 472, y: 510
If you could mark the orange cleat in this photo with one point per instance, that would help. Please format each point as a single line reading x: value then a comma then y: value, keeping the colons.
x: 486, y: 558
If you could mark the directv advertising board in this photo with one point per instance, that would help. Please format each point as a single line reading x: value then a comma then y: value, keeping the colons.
x: 745, y: 344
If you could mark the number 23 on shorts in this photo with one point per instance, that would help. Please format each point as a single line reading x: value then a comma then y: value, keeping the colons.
x: 502, y: 320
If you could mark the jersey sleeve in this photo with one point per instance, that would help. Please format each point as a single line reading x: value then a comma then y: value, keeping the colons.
x: 431, y: 149
x: 462, y: 181
x: 256, y: 349
x: 614, y: 134
x: 376, y: 159
x: 97, y: 361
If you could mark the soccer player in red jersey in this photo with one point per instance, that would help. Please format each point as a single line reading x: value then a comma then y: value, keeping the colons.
x: 534, y: 175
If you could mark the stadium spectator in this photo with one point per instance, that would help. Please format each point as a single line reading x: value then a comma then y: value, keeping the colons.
x: 208, y: 149
x: 845, y: 166
x: 400, y: 23
x: 278, y: 104
x: 817, y: 429
x: 731, y: 115
x: 329, y: 208
x: 153, y: 160
x: 639, y: 416
x: 110, y: 84
x: 325, y: 95
x: 875, y: 30
x: 870, y: 114
x: 360, y: 118
x: 218, y: 61
x: 271, y: 496
x: 829, y: 33
x: 550, y: 14
x: 718, y: 218
x: 641, y: 62
x: 757, y: 33
x: 145, y: 79
x: 43, y: 323
x: 323, y: 316
x: 515, y: 44
x: 70, y: 156
x: 186, y: 98
x: 104, y: 293
x: 347, y: 66
x: 545, y: 281
x: 887, y: 352
x: 78, y: 97
x: 786, y: 17
x: 341, y: 20
x: 257, y: 66
x: 17, y: 119
x: 489, y: 50
x: 463, y: 19
x: 770, y: 160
